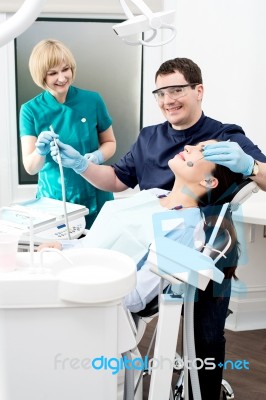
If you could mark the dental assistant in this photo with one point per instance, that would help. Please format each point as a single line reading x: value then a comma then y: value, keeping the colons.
x: 79, y: 118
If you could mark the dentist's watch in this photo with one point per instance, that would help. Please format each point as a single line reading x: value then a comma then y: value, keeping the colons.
x: 255, y: 169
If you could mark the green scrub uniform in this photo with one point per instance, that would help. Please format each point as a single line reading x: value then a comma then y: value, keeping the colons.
x: 78, y: 122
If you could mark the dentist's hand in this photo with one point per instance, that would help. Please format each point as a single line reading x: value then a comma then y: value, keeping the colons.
x: 43, y: 142
x: 70, y: 157
x: 231, y: 155
x: 96, y: 157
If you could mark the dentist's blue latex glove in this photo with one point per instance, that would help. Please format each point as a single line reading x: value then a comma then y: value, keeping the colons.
x: 231, y: 155
x: 43, y: 142
x: 96, y: 157
x: 70, y: 157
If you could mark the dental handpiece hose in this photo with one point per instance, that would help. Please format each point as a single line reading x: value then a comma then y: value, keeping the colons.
x: 62, y: 184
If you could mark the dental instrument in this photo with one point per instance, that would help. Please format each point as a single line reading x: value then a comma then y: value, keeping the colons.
x: 62, y: 184
x: 191, y: 163
x: 145, y: 22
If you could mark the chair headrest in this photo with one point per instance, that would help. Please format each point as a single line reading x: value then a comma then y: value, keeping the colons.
x: 243, y: 191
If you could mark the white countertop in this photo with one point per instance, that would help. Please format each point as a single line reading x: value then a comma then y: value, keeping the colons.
x: 253, y: 211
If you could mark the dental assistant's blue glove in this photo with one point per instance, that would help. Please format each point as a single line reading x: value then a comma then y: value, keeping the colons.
x: 96, y: 157
x: 70, y: 157
x: 43, y: 142
x: 231, y: 155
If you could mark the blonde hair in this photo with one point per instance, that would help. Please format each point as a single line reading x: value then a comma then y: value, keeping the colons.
x: 46, y: 55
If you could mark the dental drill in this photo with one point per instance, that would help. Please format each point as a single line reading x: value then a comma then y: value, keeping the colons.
x: 62, y: 184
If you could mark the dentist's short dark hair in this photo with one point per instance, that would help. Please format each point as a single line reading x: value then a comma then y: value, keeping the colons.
x: 188, y: 68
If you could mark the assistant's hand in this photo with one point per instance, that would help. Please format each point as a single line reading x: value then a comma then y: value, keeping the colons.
x: 70, y: 157
x: 43, y: 142
x: 231, y: 155
x: 96, y: 157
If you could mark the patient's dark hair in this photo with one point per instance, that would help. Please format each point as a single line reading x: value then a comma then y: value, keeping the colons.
x: 228, y: 183
x: 211, y: 204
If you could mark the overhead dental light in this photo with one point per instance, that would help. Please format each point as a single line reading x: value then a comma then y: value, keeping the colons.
x: 149, y: 21
x: 20, y: 21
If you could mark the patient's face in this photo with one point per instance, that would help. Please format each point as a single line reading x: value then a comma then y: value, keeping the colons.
x: 190, y: 166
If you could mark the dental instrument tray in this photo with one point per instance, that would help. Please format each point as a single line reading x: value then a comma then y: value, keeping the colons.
x: 44, y: 214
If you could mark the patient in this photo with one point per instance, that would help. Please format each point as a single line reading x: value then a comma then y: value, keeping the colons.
x: 127, y: 225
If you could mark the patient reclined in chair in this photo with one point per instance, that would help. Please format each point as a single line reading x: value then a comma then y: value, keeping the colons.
x: 127, y: 225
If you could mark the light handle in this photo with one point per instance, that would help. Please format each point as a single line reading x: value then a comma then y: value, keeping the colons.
x: 20, y: 21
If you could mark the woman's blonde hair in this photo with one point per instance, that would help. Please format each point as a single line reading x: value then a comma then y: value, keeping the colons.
x: 48, y: 54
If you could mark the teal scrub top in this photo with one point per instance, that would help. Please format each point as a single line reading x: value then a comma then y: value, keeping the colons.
x: 78, y: 122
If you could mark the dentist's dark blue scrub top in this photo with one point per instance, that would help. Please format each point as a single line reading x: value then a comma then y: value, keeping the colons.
x: 146, y: 163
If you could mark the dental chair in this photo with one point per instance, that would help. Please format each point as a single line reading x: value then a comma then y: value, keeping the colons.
x: 167, y: 306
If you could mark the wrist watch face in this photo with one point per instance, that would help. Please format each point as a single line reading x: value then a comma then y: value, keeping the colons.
x: 255, y: 170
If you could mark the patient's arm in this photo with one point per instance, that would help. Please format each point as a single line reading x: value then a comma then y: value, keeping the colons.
x: 50, y: 245
x: 147, y: 288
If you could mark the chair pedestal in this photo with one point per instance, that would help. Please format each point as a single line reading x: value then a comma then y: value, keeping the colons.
x: 165, y: 347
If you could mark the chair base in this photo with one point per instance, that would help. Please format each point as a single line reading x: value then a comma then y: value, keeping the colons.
x: 227, y: 392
